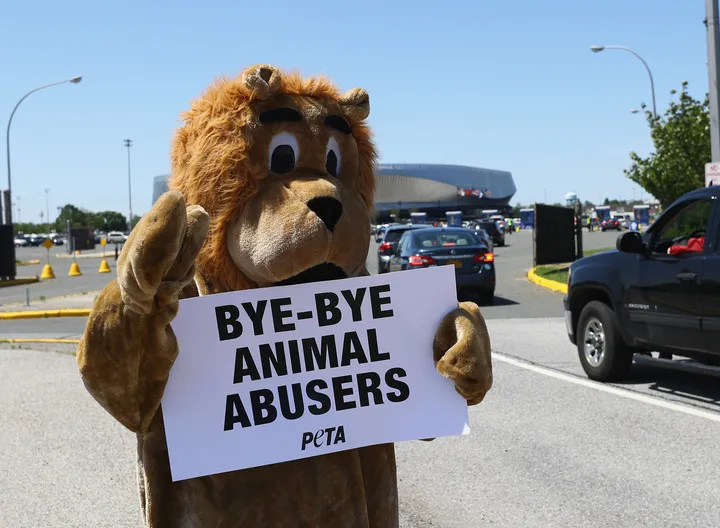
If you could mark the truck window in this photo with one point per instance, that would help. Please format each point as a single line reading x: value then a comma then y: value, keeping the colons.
x: 689, y: 222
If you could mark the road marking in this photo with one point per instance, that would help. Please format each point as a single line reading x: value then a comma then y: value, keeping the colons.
x: 41, y: 340
x: 610, y: 389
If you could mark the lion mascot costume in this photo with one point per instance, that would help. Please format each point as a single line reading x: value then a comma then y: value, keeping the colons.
x: 272, y: 183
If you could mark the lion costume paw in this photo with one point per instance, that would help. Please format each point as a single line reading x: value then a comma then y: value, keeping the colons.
x: 461, y: 350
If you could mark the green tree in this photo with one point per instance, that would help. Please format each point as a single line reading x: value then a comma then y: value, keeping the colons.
x: 682, y: 148
x: 78, y: 217
x: 109, y: 221
x: 28, y: 228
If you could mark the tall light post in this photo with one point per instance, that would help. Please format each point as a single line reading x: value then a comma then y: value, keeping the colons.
x: 598, y: 49
x: 8, y: 197
x: 128, y: 144
x: 713, y: 53
x: 47, y: 205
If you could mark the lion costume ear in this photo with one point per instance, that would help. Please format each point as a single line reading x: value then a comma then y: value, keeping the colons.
x: 356, y: 104
x: 262, y: 79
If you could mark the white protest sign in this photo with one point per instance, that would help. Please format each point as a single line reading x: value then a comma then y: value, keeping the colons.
x: 276, y: 374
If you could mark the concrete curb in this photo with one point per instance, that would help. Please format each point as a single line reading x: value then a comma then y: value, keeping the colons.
x: 65, y: 256
x: 28, y: 262
x: 546, y: 283
x: 43, y: 314
x: 41, y: 340
x: 19, y: 281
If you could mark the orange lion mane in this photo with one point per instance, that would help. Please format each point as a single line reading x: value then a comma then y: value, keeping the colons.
x: 210, y: 163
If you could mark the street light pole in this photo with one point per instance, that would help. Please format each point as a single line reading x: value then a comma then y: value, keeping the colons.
x: 598, y: 49
x: 47, y: 205
x: 713, y: 51
x: 128, y: 144
x: 8, y: 212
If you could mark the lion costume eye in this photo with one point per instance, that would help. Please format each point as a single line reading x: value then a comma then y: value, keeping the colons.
x: 283, y: 153
x: 333, y: 158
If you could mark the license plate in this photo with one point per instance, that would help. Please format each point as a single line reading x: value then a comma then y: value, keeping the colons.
x: 455, y: 263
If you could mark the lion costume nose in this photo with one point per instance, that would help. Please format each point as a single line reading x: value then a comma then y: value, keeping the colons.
x: 327, y: 209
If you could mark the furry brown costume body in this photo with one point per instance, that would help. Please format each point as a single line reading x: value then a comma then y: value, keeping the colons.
x: 272, y: 183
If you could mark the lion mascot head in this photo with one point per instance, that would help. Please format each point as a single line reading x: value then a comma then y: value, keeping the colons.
x: 284, y: 167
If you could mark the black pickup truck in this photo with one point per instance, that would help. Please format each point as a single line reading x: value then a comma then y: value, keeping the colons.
x: 644, y: 297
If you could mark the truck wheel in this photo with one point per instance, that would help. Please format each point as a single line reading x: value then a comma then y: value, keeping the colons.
x: 604, y: 356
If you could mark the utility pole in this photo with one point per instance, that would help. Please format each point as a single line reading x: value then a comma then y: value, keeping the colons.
x: 47, y: 205
x: 128, y: 144
x: 713, y: 46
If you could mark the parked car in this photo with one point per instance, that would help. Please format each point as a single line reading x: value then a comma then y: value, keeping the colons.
x: 496, y: 233
x: 657, y: 292
x: 115, y: 237
x: 389, y: 242
x: 21, y: 242
x: 35, y: 240
x: 454, y: 246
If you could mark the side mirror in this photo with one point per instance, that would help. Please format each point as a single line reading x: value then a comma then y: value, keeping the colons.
x: 630, y: 242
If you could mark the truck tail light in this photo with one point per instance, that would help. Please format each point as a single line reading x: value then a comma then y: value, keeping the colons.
x: 484, y: 257
x: 421, y: 260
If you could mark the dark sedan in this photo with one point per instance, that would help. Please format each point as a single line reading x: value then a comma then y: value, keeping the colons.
x: 611, y: 223
x: 389, y: 243
x: 450, y: 246
x: 497, y: 234
x: 484, y: 237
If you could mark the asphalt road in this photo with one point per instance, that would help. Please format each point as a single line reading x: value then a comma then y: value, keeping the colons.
x: 548, y: 448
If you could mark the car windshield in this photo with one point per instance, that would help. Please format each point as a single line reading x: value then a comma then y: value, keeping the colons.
x: 446, y: 238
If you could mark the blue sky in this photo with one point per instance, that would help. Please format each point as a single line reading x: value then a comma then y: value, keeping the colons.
x: 506, y: 84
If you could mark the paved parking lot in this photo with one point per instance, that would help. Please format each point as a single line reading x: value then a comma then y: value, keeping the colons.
x: 60, y: 260
x: 548, y: 448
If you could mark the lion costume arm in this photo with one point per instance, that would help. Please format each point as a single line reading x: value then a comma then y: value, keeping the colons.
x: 128, y: 346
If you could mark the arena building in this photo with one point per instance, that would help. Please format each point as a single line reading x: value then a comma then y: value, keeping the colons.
x: 431, y: 188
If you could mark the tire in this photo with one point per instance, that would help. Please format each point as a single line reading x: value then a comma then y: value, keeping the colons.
x: 614, y: 359
x: 486, y: 296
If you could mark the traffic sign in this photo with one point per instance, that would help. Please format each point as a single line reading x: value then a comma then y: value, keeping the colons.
x: 47, y: 243
x: 712, y: 174
x: 103, y: 242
